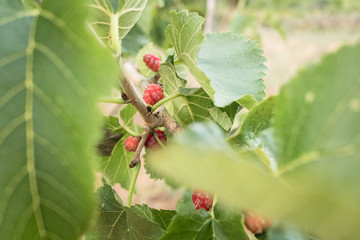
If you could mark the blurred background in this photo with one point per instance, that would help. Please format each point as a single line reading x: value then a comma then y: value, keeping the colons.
x: 292, y: 34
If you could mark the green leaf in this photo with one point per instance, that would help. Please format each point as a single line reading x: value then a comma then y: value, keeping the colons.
x: 193, y: 106
x: 201, y: 225
x: 201, y: 158
x: 234, y: 66
x: 279, y: 232
x: 52, y: 73
x: 115, y: 168
x: 160, y: 217
x: 106, y: 21
x: 228, y: 66
x: 221, y: 118
x: 319, y: 145
x: 257, y: 120
x: 127, y: 115
x: 112, y: 123
x: 318, y: 110
x: 247, y: 101
x: 115, y: 221
x: 169, y: 78
x: 141, y: 66
x: 185, y: 34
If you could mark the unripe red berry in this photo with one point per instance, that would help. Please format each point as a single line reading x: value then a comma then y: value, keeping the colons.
x: 151, y: 142
x: 131, y: 143
x: 202, y: 200
x: 152, y: 94
x: 152, y: 61
x: 255, y: 223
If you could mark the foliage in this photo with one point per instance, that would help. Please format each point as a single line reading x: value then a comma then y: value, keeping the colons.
x: 292, y: 158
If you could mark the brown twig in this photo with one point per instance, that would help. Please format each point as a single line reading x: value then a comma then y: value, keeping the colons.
x: 160, y: 118
x: 167, y: 121
x: 155, y: 79
x: 150, y: 119
x: 136, y: 158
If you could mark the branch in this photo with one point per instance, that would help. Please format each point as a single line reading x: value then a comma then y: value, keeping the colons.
x: 150, y: 119
x: 168, y: 122
x: 136, y: 158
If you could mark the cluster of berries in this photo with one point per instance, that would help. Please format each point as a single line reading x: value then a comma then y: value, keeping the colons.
x: 152, y: 94
x: 132, y: 142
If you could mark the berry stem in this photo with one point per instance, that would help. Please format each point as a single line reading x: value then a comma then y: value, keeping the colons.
x: 164, y: 100
x: 112, y: 100
x: 159, y: 141
x: 132, y: 185
x: 136, y: 158
x: 213, y: 207
x: 131, y: 132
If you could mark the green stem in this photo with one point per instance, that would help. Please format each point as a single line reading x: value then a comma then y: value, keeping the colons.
x: 159, y: 141
x: 132, y: 185
x: 164, y: 100
x: 131, y: 132
x: 112, y: 100
x: 213, y: 207
x: 114, y: 33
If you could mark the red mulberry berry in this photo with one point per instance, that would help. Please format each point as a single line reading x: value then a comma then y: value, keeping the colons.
x: 152, y: 61
x: 202, y: 200
x: 151, y: 142
x: 131, y: 143
x: 255, y: 223
x: 152, y: 94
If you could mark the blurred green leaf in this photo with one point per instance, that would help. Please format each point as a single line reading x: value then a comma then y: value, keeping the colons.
x: 285, y: 232
x: 257, y: 120
x: 318, y: 109
x: 52, y: 73
x: 201, y: 158
x: 318, y: 142
x: 115, y: 221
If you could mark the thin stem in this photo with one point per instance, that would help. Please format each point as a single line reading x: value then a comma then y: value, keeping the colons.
x: 112, y: 100
x: 136, y: 158
x: 139, y: 104
x: 132, y: 185
x: 213, y: 207
x: 159, y: 141
x: 164, y: 100
x: 131, y: 132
